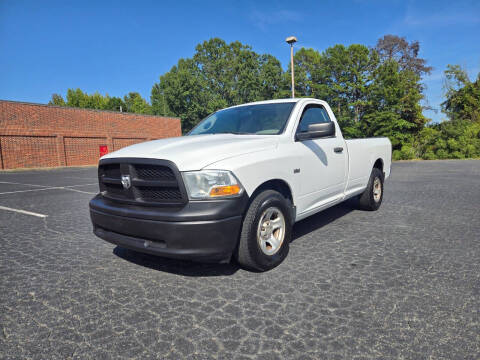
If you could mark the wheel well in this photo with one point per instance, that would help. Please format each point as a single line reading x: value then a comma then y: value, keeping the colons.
x: 276, y: 184
x: 378, y: 164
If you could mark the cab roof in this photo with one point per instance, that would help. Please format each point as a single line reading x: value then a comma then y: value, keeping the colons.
x: 292, y: 100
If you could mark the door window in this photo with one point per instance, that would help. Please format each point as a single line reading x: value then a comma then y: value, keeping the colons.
x: 312, y: 114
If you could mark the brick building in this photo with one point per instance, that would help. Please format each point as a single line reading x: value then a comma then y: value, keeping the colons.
x: 35, y: 135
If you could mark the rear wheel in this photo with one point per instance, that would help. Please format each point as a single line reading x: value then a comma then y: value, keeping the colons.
x: 266, y: 232
x: 372, y: 197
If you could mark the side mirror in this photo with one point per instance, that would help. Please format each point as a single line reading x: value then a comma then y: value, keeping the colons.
x: 317, y: 130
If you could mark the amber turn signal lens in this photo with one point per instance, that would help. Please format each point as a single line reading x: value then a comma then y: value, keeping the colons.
x: 226, y: 190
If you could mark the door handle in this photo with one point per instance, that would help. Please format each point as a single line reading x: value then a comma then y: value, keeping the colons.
x: 338, y: 149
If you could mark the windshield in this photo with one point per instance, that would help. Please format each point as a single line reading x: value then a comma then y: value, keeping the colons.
x: 260, y: 119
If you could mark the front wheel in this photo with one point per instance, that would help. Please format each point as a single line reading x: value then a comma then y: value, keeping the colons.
x: 372, y: 197
x: 266, y: 232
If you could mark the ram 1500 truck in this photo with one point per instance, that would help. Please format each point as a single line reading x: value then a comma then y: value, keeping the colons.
x: 236, y: 184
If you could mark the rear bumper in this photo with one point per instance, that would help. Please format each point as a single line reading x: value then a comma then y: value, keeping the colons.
x: 203, y: 231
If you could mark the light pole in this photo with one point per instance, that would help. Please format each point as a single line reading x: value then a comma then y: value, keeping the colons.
x: 292, y: 40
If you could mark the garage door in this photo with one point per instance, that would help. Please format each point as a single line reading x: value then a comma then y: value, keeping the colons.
x: 83, y: 150
x: 28, y: 151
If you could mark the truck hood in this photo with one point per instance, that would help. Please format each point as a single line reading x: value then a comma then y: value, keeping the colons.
x: 197, y: 151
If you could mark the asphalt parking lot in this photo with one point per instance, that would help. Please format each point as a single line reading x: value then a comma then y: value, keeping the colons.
x: 399, y: 283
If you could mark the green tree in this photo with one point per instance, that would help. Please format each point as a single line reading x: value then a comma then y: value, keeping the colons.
x: 57, y: 100
x: 455, y: 139
x: 270, y: 77
x: 96, y: 101
x: 186, y: 93
x: 135, y: 103
x: 80, y: 99
x: 394, y: 108
x: 349, y: 73
x: 236, y: 74
x: 77, y: 98
x: 462, y: 95
x: 341, y: 76
x: 393, y: 47
x: 115, y: 104
x: 218, y: 75
x: 309, y: 76
x: 157, y: 99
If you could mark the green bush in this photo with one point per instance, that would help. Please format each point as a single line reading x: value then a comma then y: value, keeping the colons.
x: 397, y: 155
x: 457, y: 155
x: 458, y: 139
x: 407, y: 152
x: 429, y: 155
x: 442, y: 154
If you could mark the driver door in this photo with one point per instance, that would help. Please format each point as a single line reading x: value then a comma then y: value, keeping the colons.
x: 322, y: 163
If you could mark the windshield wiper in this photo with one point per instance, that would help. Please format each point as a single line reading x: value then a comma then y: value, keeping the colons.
x: 235, y: 133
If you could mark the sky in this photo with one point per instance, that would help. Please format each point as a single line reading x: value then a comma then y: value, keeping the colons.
x: 116, y: 47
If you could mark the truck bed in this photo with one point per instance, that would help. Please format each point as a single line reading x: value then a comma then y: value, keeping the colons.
x: 362, y: 154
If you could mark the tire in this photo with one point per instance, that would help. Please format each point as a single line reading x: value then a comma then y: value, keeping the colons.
x: 264, y: 247
x: 372, y: 197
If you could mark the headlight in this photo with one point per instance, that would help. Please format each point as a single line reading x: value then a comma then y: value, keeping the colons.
x: 210, y: 184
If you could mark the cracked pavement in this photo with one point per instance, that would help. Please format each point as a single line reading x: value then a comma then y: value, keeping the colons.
x: 399, y: 283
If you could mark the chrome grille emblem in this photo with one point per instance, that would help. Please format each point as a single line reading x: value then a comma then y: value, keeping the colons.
x: 126, y: 182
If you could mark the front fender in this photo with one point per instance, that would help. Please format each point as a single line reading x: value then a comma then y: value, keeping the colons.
x: 254, y: 169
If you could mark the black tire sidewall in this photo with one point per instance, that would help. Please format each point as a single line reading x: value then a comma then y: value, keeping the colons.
x: 376, y: 174
x: 266, y: 262
x: 366, y: 199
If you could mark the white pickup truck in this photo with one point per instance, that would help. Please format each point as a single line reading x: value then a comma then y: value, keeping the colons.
x: 237, y: 183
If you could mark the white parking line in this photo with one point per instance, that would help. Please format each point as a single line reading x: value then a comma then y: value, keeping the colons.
x: 23, y: 212
x: 79, y: 177
x: 71, y: 186
x: 15, y: 183
x: 81, y: 191
x: 68, y: 187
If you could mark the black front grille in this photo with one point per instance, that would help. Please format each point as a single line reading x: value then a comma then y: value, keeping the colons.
x: 112, y: 170
x: 116, y: 191
x: 154, y: 193
x: 152, y: 182
x: 152, y: 172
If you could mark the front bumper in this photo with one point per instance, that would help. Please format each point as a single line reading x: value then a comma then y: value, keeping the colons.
x: 200, y: 230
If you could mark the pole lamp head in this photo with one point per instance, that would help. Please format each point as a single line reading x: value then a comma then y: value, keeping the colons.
x: 291, y: 40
